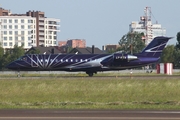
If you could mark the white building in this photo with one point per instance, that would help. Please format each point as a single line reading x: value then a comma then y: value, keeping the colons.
x: 155, y: 30
x: 146, y: 26
x: 30, y: 29
x: 16, y: 30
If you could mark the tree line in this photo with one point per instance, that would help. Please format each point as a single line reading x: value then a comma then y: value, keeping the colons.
x: 129, y: 43
x: 10, y: 55
x: 171, y: 54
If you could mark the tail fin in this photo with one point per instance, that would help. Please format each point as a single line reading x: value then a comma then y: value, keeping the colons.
x: 155, y: 47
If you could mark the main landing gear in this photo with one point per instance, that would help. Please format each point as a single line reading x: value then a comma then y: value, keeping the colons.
x: 90, y: 73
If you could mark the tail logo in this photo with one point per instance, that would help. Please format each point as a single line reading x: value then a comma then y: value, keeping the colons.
x: 155, y: 49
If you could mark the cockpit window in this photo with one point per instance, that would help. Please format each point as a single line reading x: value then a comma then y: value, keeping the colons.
x: 24, y: 58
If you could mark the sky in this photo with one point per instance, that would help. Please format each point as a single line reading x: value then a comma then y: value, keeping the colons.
x: 100, y: 22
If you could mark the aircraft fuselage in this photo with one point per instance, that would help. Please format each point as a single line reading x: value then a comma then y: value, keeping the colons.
x: 91, y: 63
x: 79, y: 62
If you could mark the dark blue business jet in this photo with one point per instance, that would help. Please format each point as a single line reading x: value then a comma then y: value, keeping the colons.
x: 91, y: 63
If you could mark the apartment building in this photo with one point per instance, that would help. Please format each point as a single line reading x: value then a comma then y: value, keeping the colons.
x: 110, y: 48
x: 73, y: 43
x: 30, y: 29
x: 76, y: 43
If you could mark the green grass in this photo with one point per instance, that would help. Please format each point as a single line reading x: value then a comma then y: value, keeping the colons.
x: 90, y: 93
x: 83, y: 74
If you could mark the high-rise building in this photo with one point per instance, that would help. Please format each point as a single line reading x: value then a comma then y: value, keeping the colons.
x: 30, y: 29
x: 146, y: 26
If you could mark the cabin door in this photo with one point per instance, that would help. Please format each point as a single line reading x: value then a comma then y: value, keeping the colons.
x: 34, y: 62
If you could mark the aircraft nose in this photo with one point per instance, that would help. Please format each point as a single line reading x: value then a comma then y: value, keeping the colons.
x: 11, y: 65
x: 8, y: 66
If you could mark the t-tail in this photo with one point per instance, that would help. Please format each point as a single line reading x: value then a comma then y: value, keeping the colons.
x: 155, y: 47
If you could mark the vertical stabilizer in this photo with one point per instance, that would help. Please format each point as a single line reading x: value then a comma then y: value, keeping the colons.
x: 155, y: 47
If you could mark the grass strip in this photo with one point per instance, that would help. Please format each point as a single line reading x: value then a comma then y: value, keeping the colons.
x: 90, y: 93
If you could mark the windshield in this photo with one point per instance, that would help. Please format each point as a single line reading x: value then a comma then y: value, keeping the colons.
x: 24, y: 58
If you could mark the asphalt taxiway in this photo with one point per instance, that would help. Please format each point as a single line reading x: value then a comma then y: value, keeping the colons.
x: 40, y: 114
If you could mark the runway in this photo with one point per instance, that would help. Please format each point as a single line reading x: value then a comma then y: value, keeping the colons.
x: 123, y: 74
x: 88, y: 115
x: 145, y: 77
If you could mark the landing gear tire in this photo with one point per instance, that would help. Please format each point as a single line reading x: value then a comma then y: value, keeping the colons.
x: 90, y: 74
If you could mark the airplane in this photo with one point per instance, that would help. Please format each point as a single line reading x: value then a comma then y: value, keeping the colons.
x: 91, y: 63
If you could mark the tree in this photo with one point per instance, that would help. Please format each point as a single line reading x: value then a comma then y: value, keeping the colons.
x: 132, y: 42
x: 177, y: 58
x: 33, y: 51
x: 168, y: 54
x: 6, y: 59
x: 11, y: 55
x: 111, y: 51
x: 1, y: 56
x: 178, y: 39
x: 177, y: 52
x: 171, y: 54
x: 16, y: 52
